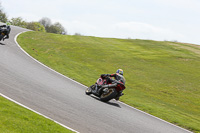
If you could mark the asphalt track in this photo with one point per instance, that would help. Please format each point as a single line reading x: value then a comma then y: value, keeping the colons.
x: 63, y: 100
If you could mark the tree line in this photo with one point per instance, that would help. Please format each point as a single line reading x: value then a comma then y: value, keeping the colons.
x: 44, y: 24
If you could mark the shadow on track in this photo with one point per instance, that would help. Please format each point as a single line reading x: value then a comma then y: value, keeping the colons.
x: 2, y: 43
x: 109, y: 102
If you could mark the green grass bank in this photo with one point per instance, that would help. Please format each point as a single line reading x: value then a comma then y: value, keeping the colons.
x: 162, y: 78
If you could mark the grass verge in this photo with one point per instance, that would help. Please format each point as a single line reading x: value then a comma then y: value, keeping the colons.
x: 162, y: 77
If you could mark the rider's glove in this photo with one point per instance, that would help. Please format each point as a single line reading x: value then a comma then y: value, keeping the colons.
x: 103, y: 75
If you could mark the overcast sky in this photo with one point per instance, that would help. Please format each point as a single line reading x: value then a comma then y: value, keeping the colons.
x: 172, y: 20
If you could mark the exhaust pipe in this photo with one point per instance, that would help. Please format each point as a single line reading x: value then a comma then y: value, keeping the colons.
x: 109, y: 86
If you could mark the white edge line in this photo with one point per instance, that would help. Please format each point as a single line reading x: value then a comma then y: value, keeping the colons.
x: 156, y: 117
x: 38, y: 113
x: 42, y: 63
x: 86, y: 87
x: 30, y: 108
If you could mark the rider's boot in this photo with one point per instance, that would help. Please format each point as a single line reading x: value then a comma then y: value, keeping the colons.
x: 99, y: 88
x: 119, y: 95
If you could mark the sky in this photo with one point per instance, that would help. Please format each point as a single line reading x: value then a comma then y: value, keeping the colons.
x: 161, y: 20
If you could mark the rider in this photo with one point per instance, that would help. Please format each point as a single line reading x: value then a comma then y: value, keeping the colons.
x: 118, y: 76
x: 6, y: 30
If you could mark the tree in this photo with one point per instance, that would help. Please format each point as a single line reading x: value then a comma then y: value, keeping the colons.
x: 3, y: 16
x: 36, y: 26
x: 46, y: 22
x: 78, y: 34
x: 19, y: 22
x: 56, y: 28
x: 52, y: 28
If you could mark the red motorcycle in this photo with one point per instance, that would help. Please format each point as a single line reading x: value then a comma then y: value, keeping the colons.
x: 106, y: 90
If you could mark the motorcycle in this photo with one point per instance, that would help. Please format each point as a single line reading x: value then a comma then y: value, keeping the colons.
x: 106, y: 91
x: 3, y: 32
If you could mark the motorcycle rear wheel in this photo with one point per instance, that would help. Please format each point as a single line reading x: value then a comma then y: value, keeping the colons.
x: 108, y: 95
x: 1, y: 37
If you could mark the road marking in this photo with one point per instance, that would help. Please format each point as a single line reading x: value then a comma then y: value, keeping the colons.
x: 86, y: 87
x: 44, y: 64
x: 155, y: 117
x: 38, y: 113
x: 15, y: 39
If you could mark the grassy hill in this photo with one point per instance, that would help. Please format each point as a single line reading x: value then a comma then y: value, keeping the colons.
x: 162, y: 78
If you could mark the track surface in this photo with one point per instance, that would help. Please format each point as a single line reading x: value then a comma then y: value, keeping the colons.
x: 64, y: 100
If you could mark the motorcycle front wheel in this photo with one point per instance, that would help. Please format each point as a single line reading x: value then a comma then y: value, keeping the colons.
x: 88, y: 91
x: 108, y: 95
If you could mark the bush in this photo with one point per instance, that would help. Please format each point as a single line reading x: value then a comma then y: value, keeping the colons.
x: 36, y: 26
x: 19, y: 22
